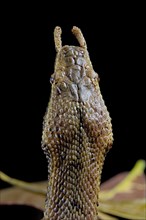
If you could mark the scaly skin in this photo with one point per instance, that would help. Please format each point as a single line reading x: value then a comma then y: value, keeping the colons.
x: 77, y: 134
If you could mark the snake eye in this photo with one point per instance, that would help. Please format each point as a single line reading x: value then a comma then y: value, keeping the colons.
x: 87, y: 82
x: 63, y: 86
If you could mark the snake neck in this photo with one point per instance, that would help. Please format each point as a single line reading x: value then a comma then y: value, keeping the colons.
x: 76, y: 154
x: 73, y: 191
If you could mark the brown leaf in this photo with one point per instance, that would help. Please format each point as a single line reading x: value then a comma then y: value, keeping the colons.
x: 130, y: 210
x: 136, y: 192
x: 15, y: 195
x: 124, y: 194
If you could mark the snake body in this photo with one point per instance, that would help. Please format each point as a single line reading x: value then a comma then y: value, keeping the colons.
x: 77, y: 134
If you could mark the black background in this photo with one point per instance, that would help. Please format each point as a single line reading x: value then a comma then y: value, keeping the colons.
x: 114, y: 38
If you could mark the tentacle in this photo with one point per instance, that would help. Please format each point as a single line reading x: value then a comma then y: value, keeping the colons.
x: 57, y: 38
x: 78, y: 34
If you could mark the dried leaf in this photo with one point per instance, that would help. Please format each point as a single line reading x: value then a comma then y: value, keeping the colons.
x: 32, y: 187
x: 124, y: 194
x: 126, y: 209
x: 127, y: 185
x: 137, y: 190
x: 103, y: 216
x: 15, y: 195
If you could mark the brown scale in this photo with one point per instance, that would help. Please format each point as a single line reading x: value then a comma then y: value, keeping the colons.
x: 77, y: 133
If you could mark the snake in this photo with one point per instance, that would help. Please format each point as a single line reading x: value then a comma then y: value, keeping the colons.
x: 77, y: 134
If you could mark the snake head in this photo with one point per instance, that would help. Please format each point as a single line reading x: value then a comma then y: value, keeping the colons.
x: 73, y: 69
